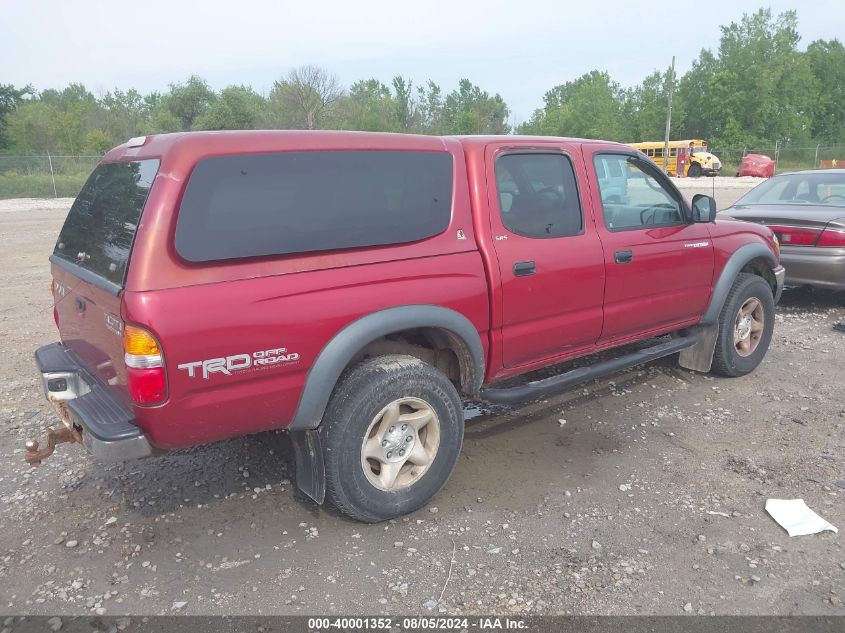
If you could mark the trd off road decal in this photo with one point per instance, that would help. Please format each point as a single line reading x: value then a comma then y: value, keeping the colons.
x: 240, y: 363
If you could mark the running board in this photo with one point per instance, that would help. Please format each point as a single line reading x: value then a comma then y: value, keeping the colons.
x: 532, y: 390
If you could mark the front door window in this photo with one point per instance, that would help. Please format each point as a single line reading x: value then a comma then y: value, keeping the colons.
x: 635, y: 197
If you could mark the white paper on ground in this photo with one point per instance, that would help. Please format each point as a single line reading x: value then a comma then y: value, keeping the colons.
x: 796, y: 518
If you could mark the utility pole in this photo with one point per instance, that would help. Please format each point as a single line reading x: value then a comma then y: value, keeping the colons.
x: 669, y: 117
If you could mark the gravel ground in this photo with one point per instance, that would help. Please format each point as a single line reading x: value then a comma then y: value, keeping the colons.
x: 640, y: 494
x: 725, y: 190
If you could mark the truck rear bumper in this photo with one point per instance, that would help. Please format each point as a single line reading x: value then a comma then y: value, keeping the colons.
x: 86, y: 405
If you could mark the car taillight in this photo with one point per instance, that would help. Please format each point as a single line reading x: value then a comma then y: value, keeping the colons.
x: 793, y: 236
x: 832, y: 238
x: 145, y: 375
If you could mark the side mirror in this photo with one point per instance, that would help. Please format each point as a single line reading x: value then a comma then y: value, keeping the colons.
x: 703, y: 208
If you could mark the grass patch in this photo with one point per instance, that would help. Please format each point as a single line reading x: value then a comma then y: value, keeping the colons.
x: 15, y: 185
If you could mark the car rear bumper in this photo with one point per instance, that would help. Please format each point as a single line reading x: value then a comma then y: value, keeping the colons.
x: 780, y: 276
x: 85, y: 404
x: 812, y: 266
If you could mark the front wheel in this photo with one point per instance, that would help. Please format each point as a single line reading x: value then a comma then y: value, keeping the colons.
x: 694, y: 170
x: 391, y: 437
x: 746, y: 324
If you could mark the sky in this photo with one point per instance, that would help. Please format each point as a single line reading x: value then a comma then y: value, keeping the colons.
x: 518, y: 48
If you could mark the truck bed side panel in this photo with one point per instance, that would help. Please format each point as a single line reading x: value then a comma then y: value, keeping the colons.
x: 278, y: 324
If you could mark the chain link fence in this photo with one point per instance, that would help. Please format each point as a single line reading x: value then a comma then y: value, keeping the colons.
x: 45, y: 176
x: 787, y: 158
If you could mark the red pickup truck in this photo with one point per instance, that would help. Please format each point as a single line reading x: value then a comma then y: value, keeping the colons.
x: 352, y: 287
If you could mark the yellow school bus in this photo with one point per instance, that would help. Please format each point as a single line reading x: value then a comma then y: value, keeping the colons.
x: 699, y: 160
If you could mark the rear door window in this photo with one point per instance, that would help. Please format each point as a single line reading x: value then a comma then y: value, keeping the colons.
x: 253, y: 205
x: 100, y: 227
x: 538, y: 196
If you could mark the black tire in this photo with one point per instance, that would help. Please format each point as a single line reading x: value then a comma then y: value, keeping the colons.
x: 359, y: 397
x: 727, y: 360
x: 694, y: 170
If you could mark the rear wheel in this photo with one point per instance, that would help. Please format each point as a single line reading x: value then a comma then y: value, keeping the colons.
x: 746, y: 324
x: 694, y: 170
x: 391, y: 437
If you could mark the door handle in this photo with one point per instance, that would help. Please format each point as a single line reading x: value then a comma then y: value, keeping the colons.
x: 624, y: 257
x: 523, y: 269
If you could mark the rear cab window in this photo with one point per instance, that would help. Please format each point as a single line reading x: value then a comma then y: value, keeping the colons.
x: 273, y: 204
x: 100, y: 228
x: 538, y: 195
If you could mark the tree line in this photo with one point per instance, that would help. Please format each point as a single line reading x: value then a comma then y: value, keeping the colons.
x: 757, y: 87
x: 74, y: 121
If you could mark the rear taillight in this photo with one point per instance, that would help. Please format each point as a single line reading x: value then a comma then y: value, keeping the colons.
x: 832, y: 238
x: 793, y: 236
x: 145, y: 375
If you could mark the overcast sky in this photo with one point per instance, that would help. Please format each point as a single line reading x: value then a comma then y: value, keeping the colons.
x: 519, y: 48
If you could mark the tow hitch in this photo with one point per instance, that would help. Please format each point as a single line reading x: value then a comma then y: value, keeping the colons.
x: 54, y: 436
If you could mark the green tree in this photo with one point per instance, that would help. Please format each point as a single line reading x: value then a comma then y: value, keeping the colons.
x: 404, y: 109
x: 588, y: 107
x: 187, y: 102
x: 32, y: 127
x: 236, y: 108
x: 10, y: 98
x: 125, y: 115
x: 98, y: 142
x: 759, y: 88
x: 470, y: 110
x: 368, y: 106
x: 161, y: 119
x: 644, y: 109
x: 430, y: 109
x: 54, y: 120
x: 76, y: 111
x: 827, y: 60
